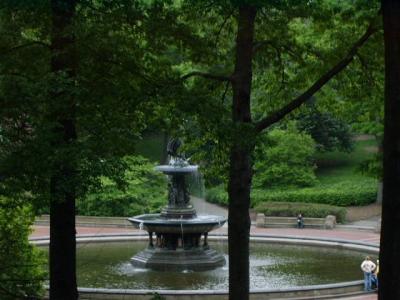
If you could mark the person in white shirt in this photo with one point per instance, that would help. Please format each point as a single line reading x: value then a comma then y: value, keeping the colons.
x: 367, y: 266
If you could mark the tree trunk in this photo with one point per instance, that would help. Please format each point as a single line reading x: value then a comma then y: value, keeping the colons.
x: 62, y: 194
x: 390, y: 235
x: 240, y: 173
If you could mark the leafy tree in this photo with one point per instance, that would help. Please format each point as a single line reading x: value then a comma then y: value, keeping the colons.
x: 267, y: 54
x: 77, y: 88
x: 22, y: 271
x: 389, y: 274
x: 329, y: 132
x: 284, y: 158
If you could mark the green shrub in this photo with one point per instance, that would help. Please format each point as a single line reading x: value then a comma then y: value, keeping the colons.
x: 217, y: 195
x: 357, y: 193
x: 340, y: 194
x: 285, y: 158
x: 292, y: 209
x: 22, y: 272
x: 145, y: 192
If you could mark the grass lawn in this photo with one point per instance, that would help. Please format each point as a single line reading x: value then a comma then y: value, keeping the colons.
x: 338, y: 167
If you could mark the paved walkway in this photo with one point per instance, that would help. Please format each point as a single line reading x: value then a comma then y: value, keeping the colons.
x: 204, y: 207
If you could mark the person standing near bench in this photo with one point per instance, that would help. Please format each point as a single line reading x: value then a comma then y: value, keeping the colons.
x: 367, y: 266
x: 300, y: 221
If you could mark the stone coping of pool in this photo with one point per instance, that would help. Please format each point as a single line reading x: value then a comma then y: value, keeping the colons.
x: 122, y: 222
x: 309, y: 240
x: 323, y: 291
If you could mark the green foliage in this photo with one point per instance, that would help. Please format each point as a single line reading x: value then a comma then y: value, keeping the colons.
x: 329, y: 132
x: 372, y: 166
x: 217, y: 195
x: 342, y: 193
x: 292, y: 209
x: 22, y: 268
x: 152, y: 146
x: 284, y: 158
x: 143, y: 192
x: 122, y: 87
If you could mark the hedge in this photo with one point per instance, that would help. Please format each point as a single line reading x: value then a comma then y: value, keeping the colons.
x: 119, y: 205
x: 217, y: 195
x: 340, y: 194
x: 292, y: 209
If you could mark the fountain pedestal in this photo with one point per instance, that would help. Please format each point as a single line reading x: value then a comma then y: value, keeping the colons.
x: 178, y: 236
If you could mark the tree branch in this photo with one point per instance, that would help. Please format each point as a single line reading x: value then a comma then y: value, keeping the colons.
x: 257, y: 46
x: 225, y: 92
x: 367, y: 71
x: 337, y: 68
x: 207, y: 75
x: 16, y: 48
x: 222, y: 27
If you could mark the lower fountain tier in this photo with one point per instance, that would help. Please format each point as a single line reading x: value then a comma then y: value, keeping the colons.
x: 157, y: 223
x: 195, y: 259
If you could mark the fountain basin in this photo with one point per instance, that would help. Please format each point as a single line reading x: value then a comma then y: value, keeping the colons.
x: 197, y: 259
x: 157, y: 223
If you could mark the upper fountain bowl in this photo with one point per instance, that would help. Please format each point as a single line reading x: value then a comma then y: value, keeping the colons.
x: 173, y: 169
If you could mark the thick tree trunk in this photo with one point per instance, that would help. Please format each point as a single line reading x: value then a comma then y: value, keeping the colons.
x: 240, y: 174
x: 62, y: 245
x: 62, y: 207
x: 390, y: 235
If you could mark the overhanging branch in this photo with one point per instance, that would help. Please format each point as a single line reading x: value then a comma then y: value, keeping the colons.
x: 18, y: 47
x: 207, y: 75
x: 337, y: 68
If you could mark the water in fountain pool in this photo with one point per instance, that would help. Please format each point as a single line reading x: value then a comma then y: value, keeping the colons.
x: 107, y: 265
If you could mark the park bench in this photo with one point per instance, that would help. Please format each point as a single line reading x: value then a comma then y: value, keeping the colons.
x: 88, y: 221
x: 328, y: 222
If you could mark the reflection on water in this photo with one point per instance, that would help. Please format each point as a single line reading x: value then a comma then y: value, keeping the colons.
x: 271, y: 266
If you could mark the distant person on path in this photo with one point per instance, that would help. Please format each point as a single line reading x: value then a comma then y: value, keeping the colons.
x: 367, y: 266
x: 375, y: 274
x: 300, y: 221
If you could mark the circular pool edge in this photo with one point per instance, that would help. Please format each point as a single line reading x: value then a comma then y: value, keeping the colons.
x: 341, y: 289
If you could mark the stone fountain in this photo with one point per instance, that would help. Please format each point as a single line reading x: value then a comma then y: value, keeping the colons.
x: 178, y: 236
